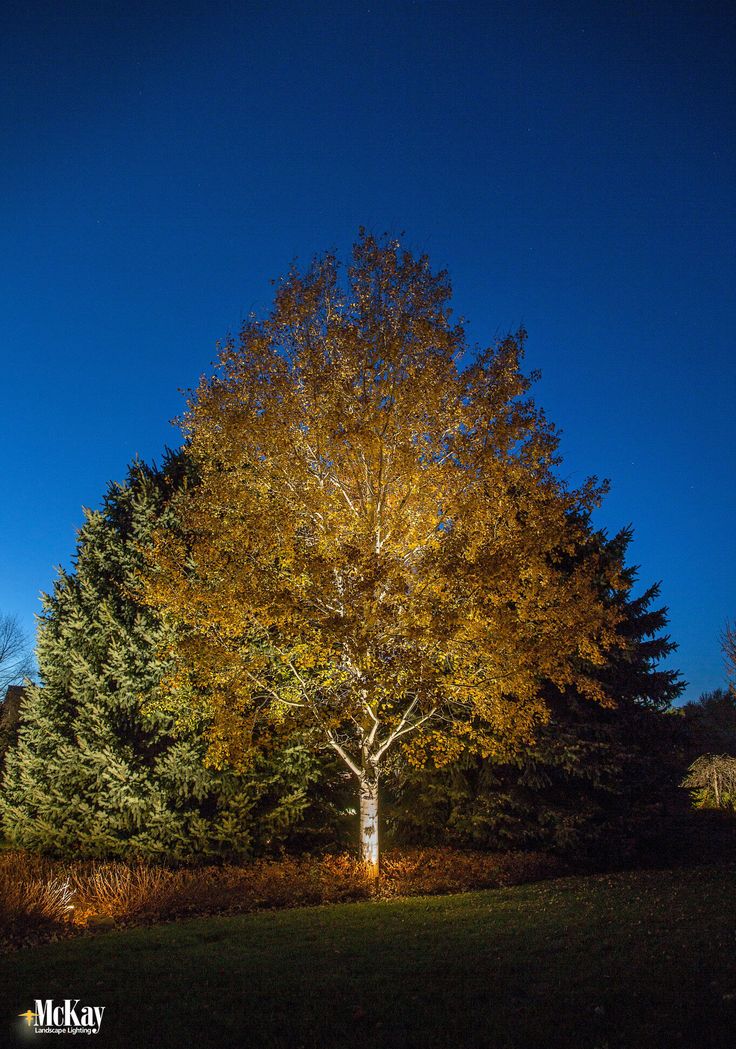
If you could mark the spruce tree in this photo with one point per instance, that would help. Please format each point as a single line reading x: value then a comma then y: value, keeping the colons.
x: 94, y: 773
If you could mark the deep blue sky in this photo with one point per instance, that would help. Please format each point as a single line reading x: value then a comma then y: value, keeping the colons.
x: 571, y: 164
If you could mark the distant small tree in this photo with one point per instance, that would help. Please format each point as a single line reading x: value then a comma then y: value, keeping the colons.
x: 728, y: 642
x: 712, y: 779
x: 16, y: 666
x: 16, y: 660
x: 379, y: 550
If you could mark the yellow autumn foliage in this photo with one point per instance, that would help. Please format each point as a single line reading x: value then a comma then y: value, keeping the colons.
x: 378, y: 547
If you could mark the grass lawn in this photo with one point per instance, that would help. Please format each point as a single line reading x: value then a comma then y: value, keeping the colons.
x: 637, y: 959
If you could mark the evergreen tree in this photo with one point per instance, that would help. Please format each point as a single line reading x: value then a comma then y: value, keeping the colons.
x: 711, y: 723
x: 592, y: 769
x: 91, y: 773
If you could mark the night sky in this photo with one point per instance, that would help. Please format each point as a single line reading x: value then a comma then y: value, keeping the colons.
x: 571, y: 165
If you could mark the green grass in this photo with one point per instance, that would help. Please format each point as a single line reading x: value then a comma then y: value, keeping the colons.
x: 619, y: 961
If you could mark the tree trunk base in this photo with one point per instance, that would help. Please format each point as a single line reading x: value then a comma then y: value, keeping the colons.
x: 369, y: 849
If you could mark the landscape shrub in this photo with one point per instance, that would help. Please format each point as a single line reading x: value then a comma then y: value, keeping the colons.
x: 42, y: 898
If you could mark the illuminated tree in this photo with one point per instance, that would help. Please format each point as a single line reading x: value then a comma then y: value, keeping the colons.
x: 712, y: 780
x: 378, y: 548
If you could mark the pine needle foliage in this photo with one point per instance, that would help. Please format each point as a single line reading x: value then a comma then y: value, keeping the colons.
x: 91, y: 773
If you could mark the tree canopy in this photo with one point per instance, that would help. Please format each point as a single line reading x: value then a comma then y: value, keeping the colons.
x: 379, y: 547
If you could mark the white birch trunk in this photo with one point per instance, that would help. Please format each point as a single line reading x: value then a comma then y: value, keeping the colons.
x: 369, y: 853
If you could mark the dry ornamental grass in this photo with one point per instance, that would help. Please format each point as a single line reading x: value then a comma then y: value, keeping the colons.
x: 42, y: 899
